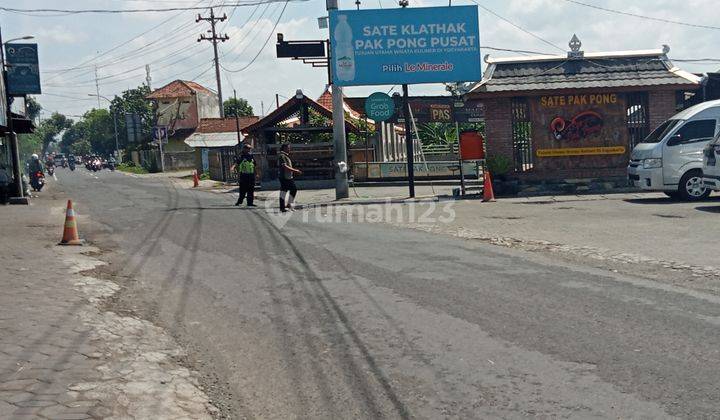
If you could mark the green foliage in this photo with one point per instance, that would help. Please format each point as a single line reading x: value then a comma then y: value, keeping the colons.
x: 33, y: 108
x: 240, y: 106
x: 366, y: 132
x: 445, y: 133
x: 498, y: 165
x: 133, y: 101
x: 97, y: 128
x: 50, y: 128
x: 29, y: 144
x: 131, y: 168
x: 437, y: 133
x: 81, y: 147
x: 45, y: 133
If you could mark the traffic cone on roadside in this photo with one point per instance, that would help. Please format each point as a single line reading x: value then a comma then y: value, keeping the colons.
x: 196, y: 179
x: 488, y: 194
x: 70, y: 232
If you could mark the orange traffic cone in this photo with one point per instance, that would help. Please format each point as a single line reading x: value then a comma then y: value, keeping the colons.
x: 196, y: 179
x: 70, y: 233
x: 488, y: 194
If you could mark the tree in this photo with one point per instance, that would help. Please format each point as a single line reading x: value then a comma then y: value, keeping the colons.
x: 239, y: 105
x: 99, y: 131
x: 133, y: 101
x: 72, y: 135
x: 81, y: 147
x: 33, y: 108
x: 50, y: 128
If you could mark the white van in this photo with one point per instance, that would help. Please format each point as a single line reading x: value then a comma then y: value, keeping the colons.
x: 711, y: 168
x: 670, y: 159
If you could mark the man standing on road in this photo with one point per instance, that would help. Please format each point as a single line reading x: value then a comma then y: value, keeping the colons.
x: 245, y: 168
x: 286, y: 175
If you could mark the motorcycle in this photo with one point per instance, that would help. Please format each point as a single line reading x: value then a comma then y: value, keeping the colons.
x: 37, y: 181
x: 71, y: 165
x: 96, y: 165
x: 111, y: 166
x: 51, y: 170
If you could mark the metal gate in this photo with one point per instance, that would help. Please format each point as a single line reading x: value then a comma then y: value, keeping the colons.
x: 638, y: 122
x: 521, y: 135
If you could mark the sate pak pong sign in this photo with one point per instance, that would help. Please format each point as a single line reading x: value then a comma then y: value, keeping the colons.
x: 405, y: 46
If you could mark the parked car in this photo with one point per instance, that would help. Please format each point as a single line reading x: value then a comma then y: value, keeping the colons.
x: 670, y: 159
x: 711, y: 168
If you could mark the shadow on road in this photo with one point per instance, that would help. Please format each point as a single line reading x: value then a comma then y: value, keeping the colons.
x: 667, y: 200
x: 709, y: 209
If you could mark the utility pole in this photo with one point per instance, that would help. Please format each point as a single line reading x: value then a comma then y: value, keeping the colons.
x: 338, y: 113
x: 97, y: 87
x: 148, y: 79
x: 409, y: 139
x: 237, y: 118
x: 214, y: 39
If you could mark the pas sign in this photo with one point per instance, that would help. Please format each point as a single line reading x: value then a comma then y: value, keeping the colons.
x: 398, y: 46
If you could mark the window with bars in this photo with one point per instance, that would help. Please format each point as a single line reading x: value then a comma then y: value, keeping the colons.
x: 521, y: 135
x: 638, y: 121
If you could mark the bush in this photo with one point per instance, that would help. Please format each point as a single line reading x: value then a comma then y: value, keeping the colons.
x: 131, y: 168
x: 498, y: 166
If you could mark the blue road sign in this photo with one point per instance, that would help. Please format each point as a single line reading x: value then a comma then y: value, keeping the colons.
x: 411, y: 45
x: 23, y: 71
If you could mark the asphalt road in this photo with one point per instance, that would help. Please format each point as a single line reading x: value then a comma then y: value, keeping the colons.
x: 339, y: 320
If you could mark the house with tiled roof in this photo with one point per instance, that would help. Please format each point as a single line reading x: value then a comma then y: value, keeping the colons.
x: 181, y: 105
x: 570, y: 121
x: 215, y: 142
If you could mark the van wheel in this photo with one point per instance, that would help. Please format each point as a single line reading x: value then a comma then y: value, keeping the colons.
x: 691, y: 187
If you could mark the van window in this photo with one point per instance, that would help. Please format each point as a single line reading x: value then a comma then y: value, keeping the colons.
x: 661, y: 131
x: 699, y: 130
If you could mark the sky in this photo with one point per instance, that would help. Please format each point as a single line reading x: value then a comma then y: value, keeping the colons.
x: 121, y: 44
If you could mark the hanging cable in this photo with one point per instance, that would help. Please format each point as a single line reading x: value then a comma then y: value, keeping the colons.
x: 263, y: 46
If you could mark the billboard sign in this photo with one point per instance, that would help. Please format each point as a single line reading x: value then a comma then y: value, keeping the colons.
x: 133, y: 124
x: 470, y: 111
x: 23, y: 72
x: 405, y: 46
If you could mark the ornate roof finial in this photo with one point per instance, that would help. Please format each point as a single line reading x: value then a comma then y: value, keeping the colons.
x: 575, y: 46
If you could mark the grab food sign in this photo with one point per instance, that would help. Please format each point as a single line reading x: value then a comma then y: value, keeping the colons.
x: 411, y: 45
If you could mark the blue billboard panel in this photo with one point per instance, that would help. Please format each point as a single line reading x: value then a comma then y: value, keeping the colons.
x: 411, y: 45
x: 23, y: 71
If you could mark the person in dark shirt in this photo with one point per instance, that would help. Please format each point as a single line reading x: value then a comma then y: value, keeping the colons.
x: 245, y: 168
x: 287, y: 175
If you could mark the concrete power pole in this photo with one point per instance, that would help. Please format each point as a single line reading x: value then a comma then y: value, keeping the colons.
x: 341, y: 182
x: 148, y: 79
x: 214, y: 39
x: 97, y: 87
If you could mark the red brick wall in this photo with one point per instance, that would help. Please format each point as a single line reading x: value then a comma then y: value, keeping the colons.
x: 498, y: 127
x: 661, y: 106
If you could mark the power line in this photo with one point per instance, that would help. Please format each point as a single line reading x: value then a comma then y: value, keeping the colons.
x: 635, y: 15
x: 264, y: 45
x: 251, y: 30
x: 86, y: 62
x: 151, y: 10
x: 518, y: 26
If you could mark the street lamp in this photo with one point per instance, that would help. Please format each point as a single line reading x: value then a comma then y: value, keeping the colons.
x: 22, y: 38
x: 117, y: 148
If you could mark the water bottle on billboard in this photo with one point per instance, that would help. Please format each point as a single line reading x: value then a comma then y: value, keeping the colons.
x: 345, y: 55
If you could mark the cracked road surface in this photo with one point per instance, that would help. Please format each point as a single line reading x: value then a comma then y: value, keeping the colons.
x: 325, y: 320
